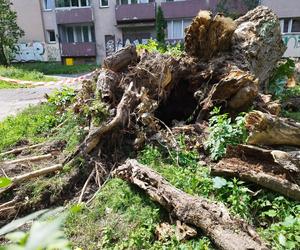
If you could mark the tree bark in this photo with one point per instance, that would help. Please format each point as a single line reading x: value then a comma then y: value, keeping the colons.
x: 121, y: 59
x: 3, y: 59
x: 274, y: 169
x: 214, y: 219
x: 267, y: 129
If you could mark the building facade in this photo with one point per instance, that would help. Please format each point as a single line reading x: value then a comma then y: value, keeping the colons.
x: 89, y: 30
x: 289, y: 16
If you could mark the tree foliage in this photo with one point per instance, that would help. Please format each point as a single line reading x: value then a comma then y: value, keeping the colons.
x: 161, y: 25
x: 10, y: 32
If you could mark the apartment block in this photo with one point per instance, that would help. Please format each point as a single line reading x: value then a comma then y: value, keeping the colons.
x: 289, y: 16
x: 89, y: 30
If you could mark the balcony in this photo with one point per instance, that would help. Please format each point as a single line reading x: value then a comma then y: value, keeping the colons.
x: 134, y: 13
x: 186, y: 9
x: 74, y: 15
x: 78, y: 49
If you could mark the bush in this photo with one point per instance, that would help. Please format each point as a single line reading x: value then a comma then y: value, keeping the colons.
x: 224, y: 132
x: 280, y: 76
x: 153, y: 46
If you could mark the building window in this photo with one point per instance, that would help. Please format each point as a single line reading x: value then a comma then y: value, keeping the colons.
x: 47, y: 5
x: 103, y: 3
x: 78, y: 34
x: 296, y: 25
x: 176, y: 28
x: 134, y: 1
x: 71, y: 3
x: 51, y: 36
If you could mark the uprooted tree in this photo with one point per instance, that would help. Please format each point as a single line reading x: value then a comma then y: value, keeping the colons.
x: 226, y: 63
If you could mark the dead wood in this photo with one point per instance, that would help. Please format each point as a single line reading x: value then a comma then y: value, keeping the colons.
x: 19, y: 150
x: 214, y: 219
x: 292, y: 104
x: 274, y: 169
x: 267, y: 129
x: 31, y: 175
x: 208, y: 35
x: 265, y: 104
x: 121, y: 59
x: 28, y: 159
x: 120, y: 120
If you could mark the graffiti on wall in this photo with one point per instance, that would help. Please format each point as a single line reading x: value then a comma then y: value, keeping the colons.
x: 110, y: 46
x: 36, y: 51
x: 53, y: 53
x: 292, y: 41
x: 30, y: 52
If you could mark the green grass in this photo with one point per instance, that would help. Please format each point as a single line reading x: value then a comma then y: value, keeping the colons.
x: 32, y: 124
x: 24, y: 74
x: 123, y: 217
x: 35, y: 124
x: 7, y: 85
x: 52, y: 68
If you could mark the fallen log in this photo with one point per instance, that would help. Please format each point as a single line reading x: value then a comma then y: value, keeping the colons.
x: 276, y: 170
x: 28, y: 159
x: 19, y: 150
x: 121, y: 59
x: 31, y: 175
x: 267, y: 129
x: 214, y: 219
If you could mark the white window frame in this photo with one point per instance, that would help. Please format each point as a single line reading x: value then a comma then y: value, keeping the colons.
x: 103, y: 6
x: 48, y: 36
x: 171, y: 36
x: 129, y: 2
x: 44, y: 5
x: 81, y: 31
x: 74, y: 7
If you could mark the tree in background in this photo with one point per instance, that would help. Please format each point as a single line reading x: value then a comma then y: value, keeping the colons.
x: 161, y: 25
x: 10, y: 32
x: 227, y: 7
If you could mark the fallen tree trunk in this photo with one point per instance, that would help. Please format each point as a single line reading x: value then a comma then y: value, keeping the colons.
x: 274, y: 169
x: 121, y: 59
x: 214, y: 219
x: 267, y: 129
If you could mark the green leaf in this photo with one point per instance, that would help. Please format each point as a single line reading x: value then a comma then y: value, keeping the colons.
x: 282, y: 239
x: 219, y: 182
x: 290, y: 220
x: 271, y: 213
x: 20, y: 222
x: 16, y: 236
x: 5, y: 182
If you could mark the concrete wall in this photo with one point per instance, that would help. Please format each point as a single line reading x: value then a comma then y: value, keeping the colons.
x: 284, y: 8
x: 105, y: 25
x: 288, y: 9
x: 29, y: 19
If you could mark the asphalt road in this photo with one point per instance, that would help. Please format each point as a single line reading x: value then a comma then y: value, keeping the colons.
x: 13, y: 101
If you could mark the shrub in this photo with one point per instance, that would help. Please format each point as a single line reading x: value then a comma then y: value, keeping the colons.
x: 280, y: 76
x: 224, y: 132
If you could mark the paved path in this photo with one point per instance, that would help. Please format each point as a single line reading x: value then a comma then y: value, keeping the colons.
x: 14, y: 100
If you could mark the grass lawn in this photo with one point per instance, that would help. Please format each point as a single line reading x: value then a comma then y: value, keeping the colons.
x: 6, y: 85
x: 24, y: 74
x: 54, y: 68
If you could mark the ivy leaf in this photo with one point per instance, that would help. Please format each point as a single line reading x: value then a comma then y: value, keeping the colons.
x: 219, y: 182
x: 5, y: 182
x: 282, y: 239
